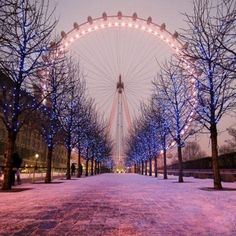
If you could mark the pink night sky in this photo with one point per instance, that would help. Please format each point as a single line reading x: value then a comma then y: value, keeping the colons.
x: 168, y: 12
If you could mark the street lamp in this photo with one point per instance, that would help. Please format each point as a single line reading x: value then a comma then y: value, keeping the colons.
x: 36, y: 160
x: 35, y: 167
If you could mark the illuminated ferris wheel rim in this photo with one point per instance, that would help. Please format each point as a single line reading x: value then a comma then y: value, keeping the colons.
x: 131, y: 22
x: 121, y: 21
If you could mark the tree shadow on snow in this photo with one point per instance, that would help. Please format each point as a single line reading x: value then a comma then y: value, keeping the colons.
x: 15, y: 190
x: 53, y: 182
x: 212, y: 189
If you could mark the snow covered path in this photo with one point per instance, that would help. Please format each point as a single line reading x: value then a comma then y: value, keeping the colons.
x: 125, y: 204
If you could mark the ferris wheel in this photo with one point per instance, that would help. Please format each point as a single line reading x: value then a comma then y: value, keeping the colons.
x: 118, y: 55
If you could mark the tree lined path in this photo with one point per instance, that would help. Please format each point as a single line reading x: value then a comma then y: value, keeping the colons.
x: 125, y: 204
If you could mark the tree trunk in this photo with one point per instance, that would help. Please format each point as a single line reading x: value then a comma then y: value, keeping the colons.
x: 155, y: 166
x: 48, y: 177
x: 98, y: 168
x: 181, y: 180
x: 79, y: 164
x: 92, y: 162
x: 7, y: 181
x: 215, y: 161
x: 150, y: 167
x: 68, y: 174
x: 142, y: 168
x: 165, y: 165
x: 95, y: 167
x: 135, y: 169
x: 145, y: 167
x: 86, y: 167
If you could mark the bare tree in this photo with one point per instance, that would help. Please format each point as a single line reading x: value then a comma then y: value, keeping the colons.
x: 59, y: 85
x: 135, y: 152
x: 81, y: 120
x: 160, y: 116
x: 150, y: 118
x: 216, y: 92
x: 71, y: 109
x: 174, y: 89
x: 230, y: 145
x: 25, y: 36
x: 5, y: 14
x: 192, y: 150
x: 227, y: 15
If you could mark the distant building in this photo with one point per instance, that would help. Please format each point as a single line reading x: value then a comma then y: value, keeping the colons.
x: 30, y: 142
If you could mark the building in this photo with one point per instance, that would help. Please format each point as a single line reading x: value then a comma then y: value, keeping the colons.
x: 30, y: 144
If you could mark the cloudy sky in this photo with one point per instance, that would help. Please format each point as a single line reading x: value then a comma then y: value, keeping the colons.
x: 169, y: 12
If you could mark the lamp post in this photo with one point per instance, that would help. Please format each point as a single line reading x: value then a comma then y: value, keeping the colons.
x: 36, y: 160
x: 35, y: 167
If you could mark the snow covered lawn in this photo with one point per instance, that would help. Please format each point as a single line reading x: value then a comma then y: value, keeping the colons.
x: 125, y: 204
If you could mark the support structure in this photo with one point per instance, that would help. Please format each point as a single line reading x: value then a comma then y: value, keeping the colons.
x: 122, y: 122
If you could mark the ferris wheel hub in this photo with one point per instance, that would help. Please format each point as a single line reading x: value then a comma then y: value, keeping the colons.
x: 120, y: 85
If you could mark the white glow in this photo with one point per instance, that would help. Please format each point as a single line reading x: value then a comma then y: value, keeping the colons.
x: 143, y: 27
x: 116, y: 24
x: 83, y: 32
x: 102, y: 25
x: 155, y: 33
x: 123, y: 24
x: 95, y: 27
x: 89, y: 29
x: 162, y: 36
x: 136, y: 26
x: 130, y: 25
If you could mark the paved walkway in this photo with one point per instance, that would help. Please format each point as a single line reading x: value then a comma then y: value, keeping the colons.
x: 125, y: 204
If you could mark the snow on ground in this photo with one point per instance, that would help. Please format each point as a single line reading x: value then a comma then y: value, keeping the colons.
x: 125, y: 204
